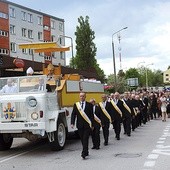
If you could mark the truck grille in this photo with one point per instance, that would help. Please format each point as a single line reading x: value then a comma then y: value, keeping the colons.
x: 13, y: 111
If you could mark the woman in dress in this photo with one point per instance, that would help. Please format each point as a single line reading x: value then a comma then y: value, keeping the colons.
x: 163, y: 107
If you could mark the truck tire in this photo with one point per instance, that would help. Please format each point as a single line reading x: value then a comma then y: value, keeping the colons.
x: 6, y: 141
x: 59, y: 137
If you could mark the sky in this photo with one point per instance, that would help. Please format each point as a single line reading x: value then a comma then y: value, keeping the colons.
x: 146, y: 41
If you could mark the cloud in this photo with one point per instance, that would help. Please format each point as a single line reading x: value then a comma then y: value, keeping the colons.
x: 146, y: 39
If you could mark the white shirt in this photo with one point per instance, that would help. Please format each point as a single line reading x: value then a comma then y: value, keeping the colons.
x: 84, y: 103
x: 8, y: 89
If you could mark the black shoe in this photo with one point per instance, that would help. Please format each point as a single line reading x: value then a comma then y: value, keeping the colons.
x: 118, y: 138
x: 83, y: 156
x: 97, y: 148
x: 124, y: 132
x: 93, y: 147
x: 128, y: 134
x: 105, y: 143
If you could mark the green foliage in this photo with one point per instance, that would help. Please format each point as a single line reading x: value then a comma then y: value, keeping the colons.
x: 155, y: 78
x: 132, y: 73
x: 86, y: 49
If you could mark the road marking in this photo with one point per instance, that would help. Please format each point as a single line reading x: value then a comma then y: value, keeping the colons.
x: 161, y: 152
x: 149, y: 164
x: 160, y: 141
x: 153, y: 156
x: 17, y: 155
x: 162, y: 138
x: 160, y: 149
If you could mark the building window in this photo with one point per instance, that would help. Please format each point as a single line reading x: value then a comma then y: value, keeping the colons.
x: 30, y: 17
x: 53, y: 38
x: 46, y: 27
x: 60, y: 40
x: 47, y: 58
x: 24, y: 15
x: 12, y: 12
x: 62, y: 55
x: 40, y: 36
x: 4, y: 51
x: 52, y: 24
x: 40, y: 21
x: 3, y: 33
x: 30, y: 51
x: 12, y: 29
x: 24, y: 34
x: 167, y: 75
x: 41, y: 54
x: 61, y: 27
x: 3, y: 15
x: 24, y: 51
x: 13, y: 47
x: 53, y: 54
x: 167, y: 79
x: 30, y: 34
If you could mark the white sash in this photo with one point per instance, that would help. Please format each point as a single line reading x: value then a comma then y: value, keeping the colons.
x: 105, y: 111
x: 83, y: 114
x: 116, y: 107
x: 97, y: 119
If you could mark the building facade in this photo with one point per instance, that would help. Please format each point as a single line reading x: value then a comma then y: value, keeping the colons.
x: 166, y: 76
x: 19, y: 24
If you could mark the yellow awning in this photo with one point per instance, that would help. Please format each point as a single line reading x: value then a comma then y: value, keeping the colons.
x: 38, y: 45
x: 61, y: 49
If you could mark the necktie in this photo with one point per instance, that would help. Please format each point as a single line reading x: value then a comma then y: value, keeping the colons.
x: 82, y: 105
x: 41, y: 87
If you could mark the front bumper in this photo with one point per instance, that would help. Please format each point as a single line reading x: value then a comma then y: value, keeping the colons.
x: 16, y: 127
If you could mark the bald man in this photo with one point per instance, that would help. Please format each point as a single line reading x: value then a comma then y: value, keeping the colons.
x: 83, y: 111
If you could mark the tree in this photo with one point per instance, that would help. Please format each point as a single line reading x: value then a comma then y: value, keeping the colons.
x: 86, y: 48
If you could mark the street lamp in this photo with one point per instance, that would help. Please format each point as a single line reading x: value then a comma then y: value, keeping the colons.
x: 114, y: 63
x: 72, y: 56
x: 147, y: 74
x: 142, y: 62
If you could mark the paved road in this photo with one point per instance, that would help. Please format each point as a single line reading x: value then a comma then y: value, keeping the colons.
x: 148, y: 148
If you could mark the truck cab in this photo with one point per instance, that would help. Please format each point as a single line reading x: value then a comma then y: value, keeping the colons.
x: 31, y: 111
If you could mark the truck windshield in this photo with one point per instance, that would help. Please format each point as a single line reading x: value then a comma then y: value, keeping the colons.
x: 22, y: 84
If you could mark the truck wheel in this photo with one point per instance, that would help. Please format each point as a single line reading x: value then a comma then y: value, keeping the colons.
x: 5, y: 141
x: 59, y: 137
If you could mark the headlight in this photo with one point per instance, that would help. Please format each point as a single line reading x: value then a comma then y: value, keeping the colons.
x: 34, y: 116
x: 31, y: 102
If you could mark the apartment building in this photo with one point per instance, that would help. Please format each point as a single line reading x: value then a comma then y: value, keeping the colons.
x: 19, y: 24
x: 166, y: 76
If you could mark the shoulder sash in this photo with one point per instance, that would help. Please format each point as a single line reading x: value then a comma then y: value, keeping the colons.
x: 105, y: 112
x: 83, y: 114
x: 116, y: 107
x: 97, y: 119
x: 126, y: 106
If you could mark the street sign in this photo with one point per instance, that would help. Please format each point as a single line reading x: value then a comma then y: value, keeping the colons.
x: 132, y: 82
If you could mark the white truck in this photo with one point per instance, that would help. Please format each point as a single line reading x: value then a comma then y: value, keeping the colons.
x: 34, y: 114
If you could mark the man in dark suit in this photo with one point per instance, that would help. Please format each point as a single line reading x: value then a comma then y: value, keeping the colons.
x: 104, y: 109
x: 127, y: 114
x: 116, y: 112
x: 83, y: 111
x: 97, y: 125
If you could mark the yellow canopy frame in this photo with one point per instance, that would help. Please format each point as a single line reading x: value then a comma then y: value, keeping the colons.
x: 44, y: 47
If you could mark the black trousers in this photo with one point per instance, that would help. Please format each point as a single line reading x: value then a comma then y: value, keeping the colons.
x: 84, y: 134
x: 96, y: 136
x: 127, y: 124
x: 105, y: 128
x: 133, y: 122
x: 117, y: 127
